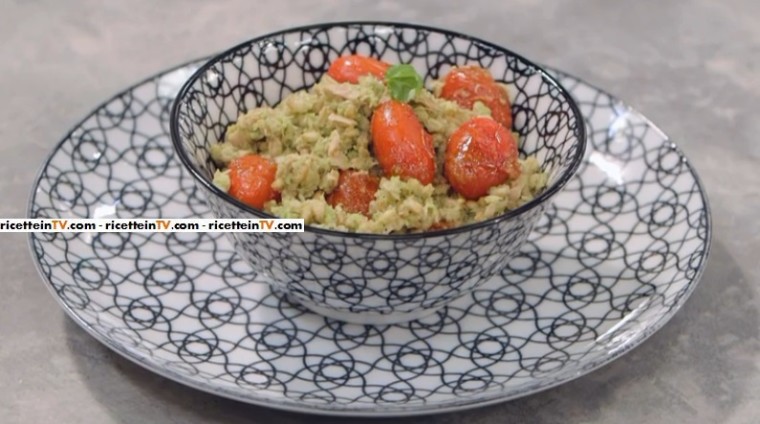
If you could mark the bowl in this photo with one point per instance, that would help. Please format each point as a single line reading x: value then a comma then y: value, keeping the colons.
x: 374, y: 278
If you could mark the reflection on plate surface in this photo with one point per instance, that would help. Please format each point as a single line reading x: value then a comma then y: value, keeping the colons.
x: 617, y: 255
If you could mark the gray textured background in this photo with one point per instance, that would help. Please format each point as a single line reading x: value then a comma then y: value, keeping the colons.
x: 692, y: 66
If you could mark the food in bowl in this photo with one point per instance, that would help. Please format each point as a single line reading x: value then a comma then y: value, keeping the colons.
x: 368, y: 149
x: 359, y: 277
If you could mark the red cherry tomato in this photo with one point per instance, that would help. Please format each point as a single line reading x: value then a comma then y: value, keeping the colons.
x: 251, y: 178
x: 440, y: 225
x: 350, y: 68
x: 355, y: 191
x: 480, y: 154
x: 468, y: 84
x: 401, y: 144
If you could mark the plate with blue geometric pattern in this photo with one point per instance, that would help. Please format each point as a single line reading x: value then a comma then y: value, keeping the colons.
x: 616, y: 256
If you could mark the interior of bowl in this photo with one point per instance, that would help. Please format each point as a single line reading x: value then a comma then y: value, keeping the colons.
x: 266, y: 69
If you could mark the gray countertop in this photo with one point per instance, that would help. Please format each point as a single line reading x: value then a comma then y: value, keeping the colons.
x: 692, y: 66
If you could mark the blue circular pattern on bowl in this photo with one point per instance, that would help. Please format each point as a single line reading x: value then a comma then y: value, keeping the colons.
x: 364, y: 278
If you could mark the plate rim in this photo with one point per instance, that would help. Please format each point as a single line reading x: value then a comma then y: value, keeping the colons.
x: 463, y: 405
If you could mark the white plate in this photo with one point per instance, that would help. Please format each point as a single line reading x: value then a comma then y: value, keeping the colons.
x: 618, y: 254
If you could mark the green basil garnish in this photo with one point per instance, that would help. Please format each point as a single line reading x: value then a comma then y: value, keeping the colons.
x: 403, y: 81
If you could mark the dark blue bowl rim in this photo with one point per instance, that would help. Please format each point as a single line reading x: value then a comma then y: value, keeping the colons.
x: 544, y: 196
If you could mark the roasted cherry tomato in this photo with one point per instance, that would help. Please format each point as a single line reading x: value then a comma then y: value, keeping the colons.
x: 350, y: 68
x: 440, y: 225
x: 355, y: 191
x: 468, y: 84
x: 401, y: 144
x: 251, y: 178
x: 480, y: 154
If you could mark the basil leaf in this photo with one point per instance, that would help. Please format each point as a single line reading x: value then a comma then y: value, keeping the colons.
x: 403, y: 82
